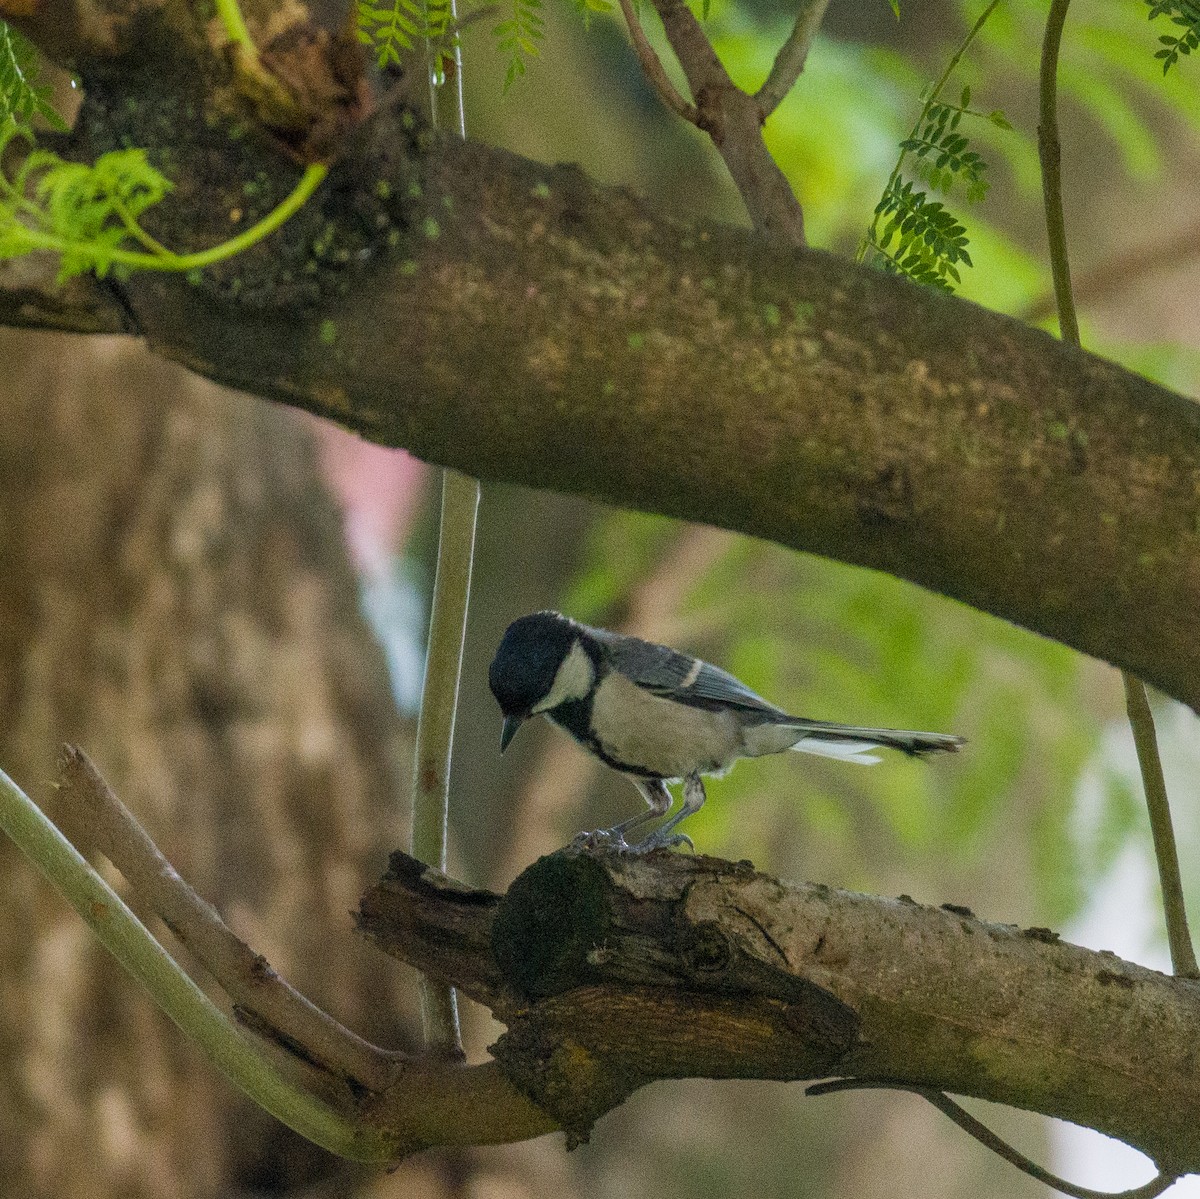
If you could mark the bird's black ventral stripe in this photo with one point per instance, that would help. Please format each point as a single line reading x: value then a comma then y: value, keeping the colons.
x: 575, y: 717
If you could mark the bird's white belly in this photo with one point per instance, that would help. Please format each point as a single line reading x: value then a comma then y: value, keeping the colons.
x: 644, y: 730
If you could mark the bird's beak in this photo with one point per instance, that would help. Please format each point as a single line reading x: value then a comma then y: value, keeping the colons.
x: 509, y: 731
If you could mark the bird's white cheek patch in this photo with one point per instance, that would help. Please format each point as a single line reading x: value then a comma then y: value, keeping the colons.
x: 640, y: 729
x: 573, y: 680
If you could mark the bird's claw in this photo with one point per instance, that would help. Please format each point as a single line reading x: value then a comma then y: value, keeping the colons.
x: 602, y: 838
x: 613, y: 841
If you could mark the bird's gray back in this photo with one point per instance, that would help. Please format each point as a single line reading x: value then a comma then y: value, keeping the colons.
x: 664, y: 671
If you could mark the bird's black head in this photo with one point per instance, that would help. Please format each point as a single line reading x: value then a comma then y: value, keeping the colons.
x: 523, y: 671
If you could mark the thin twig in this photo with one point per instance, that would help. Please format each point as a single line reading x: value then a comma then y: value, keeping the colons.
x: 447, y: 633
x: 241, y: 1061
x: 1050, y: 153
x: 1141, y: 719
x: 985, y: 1136
x: 435, y: 726
x: 701, y: 64
x: 653, y: 68
x: 793, y: 54
x: 1162, y: 832
x: 107, y: 825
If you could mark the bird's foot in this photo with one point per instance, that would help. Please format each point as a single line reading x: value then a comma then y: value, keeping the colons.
x: 654, y: 841
x: 611, y: 839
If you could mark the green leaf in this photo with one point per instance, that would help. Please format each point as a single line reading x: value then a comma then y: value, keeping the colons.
x: 519, y: 35
x: 396, y: 28
x: 86, y: 211
x: 21, y: 96
x: 1184, y: 15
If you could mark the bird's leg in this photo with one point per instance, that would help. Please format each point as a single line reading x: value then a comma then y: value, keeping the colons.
x: 658, y: 803
x: 665, y: 837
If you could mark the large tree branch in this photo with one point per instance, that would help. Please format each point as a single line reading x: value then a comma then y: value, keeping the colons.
x: 523, y: 324
x: 612, y: 971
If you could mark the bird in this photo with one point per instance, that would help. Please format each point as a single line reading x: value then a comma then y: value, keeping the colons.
x: 656, y: 715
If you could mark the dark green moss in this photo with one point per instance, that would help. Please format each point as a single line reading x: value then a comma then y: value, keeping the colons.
x: 550, y: 920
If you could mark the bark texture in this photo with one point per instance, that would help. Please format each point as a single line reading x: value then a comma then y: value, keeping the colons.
x: 612, y: 971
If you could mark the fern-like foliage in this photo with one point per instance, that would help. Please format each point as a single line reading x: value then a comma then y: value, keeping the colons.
x: 82, y: 211
x: 22, y: 97
x: 942, y: 153
x: 518, y: 36
x: 1185, y: 14
x: 392, y: 28
x: 919, y: 238
x: 910, y: 233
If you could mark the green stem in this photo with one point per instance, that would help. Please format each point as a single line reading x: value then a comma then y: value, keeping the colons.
x: 139, y: 234
x: 872, y: 235
x: 1050, y: 154
x: 230, y: 14
x: 168, y: 261
x: 435, y: 727
x: 131, y: 943
x: 1141, y: 719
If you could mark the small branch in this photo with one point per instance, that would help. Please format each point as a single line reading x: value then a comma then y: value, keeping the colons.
x: 701, y: 64
x: 435, y: 727
x: 107, y: 824
x: 733, y: 120
x: 985, y: 1136
x: 1050, y: 154
x: 1141, y: 720
x: 618, y: 970
x: 793, y: 54
x: 128, y: 940
x: 653, y: 69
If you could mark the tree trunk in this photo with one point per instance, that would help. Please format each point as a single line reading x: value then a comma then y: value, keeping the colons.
x: 175, y: 598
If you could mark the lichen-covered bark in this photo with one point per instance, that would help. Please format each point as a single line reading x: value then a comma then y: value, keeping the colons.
x: 520, y: 323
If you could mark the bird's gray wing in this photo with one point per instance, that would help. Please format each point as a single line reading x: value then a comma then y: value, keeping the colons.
x: 664, y: 671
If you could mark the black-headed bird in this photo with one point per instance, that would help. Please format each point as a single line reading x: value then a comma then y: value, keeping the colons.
x: 655, y: 715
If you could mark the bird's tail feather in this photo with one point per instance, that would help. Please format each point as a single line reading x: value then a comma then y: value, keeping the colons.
x: 845, y: 741
x: 854, y: 744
